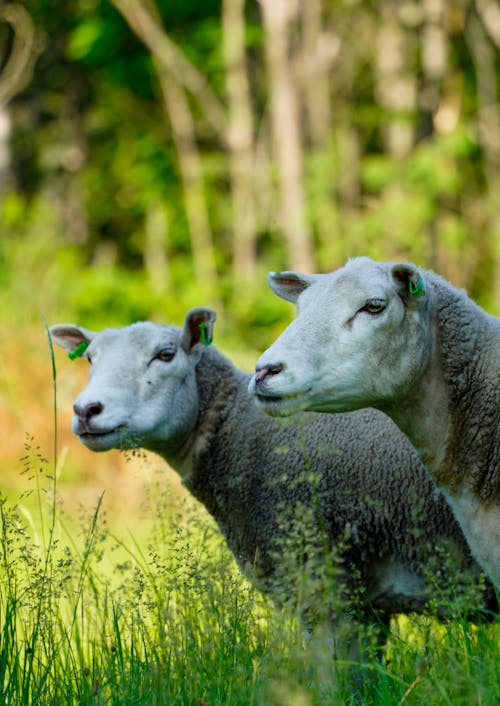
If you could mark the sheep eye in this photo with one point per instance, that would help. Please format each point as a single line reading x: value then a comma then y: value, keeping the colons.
x: 165, y: 355
x: 374, y: 306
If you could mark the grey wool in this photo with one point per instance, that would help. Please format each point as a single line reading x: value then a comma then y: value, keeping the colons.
x: 352, y: 479
x: 405, y: 341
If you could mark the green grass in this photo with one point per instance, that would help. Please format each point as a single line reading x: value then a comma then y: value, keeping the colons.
x: 87, y: 617
x: 162, y: 615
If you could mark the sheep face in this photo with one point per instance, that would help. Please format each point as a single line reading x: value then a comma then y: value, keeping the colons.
x: 360, y: 338
x: 142, y: 387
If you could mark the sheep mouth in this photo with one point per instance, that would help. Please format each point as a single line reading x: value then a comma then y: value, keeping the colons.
x: 282, y: 405
x: 98, y: 434
x: 104, y: 439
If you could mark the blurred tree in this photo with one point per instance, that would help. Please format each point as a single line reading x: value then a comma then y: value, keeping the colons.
x: 203, y: 143
x: 171, y: 63
x: 241, y: 142
x: 279, y: 16
x: 19, y: 49
x: 488, y: 128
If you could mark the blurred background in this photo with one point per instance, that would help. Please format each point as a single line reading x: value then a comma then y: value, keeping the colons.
x: 162, y: 154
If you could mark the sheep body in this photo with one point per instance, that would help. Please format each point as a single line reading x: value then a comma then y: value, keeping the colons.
x: 405, y: 341
x: 158, y: 388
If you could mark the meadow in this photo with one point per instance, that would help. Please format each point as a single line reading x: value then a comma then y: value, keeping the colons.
x: 157, y: 155
x: 118, y: 589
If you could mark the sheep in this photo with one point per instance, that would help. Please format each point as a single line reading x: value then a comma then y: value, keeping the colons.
x: 355, y: 477
x: 403, y: 340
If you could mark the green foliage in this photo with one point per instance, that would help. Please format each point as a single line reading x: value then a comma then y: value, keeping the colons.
x: 163, y: 616
x: 93, y: 156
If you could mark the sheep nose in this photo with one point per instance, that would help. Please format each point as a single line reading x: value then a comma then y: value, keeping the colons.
x: 92, y: 409
x: 264, y: 371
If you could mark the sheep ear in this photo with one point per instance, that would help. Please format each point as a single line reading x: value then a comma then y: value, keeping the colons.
x: 71, y: 337
x: 288, y: 285
x: 198, y: 329
x: 409, y: 282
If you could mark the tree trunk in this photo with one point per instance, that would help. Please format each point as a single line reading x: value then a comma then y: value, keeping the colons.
x: 144, y: 19
x: 396, y: 93
x: 319, y: 50
x: 284, y: 113
x: 191, y: 170
x: 488, y: 129
x: 396, y: 86
x: 174, y: 70
x: 17, y: 69
x: 241, y: 142
x: 434, y: 62
x: 155, y: 248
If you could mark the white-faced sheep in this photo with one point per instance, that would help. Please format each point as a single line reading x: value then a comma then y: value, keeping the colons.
x: 158, y: 387
x: 403, y: 340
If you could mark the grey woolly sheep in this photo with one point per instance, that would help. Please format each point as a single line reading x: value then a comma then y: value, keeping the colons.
x: 354, y: 476
x: 403, y: 340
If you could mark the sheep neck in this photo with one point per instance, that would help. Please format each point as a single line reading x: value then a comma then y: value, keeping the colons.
x: 449, y: 413
x: 423, y: 414
x: 219, y: 386
x: 469, y: 344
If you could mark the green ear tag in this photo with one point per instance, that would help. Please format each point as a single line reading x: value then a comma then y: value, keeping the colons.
x: 78, y: 351
x: 203, y: 334
x: 417, y: 290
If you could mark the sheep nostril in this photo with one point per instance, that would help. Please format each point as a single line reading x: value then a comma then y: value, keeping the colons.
x: 267, y: 370
x: 92, y: 409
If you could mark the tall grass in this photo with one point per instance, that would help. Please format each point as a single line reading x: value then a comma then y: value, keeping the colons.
x: 90, y: 617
